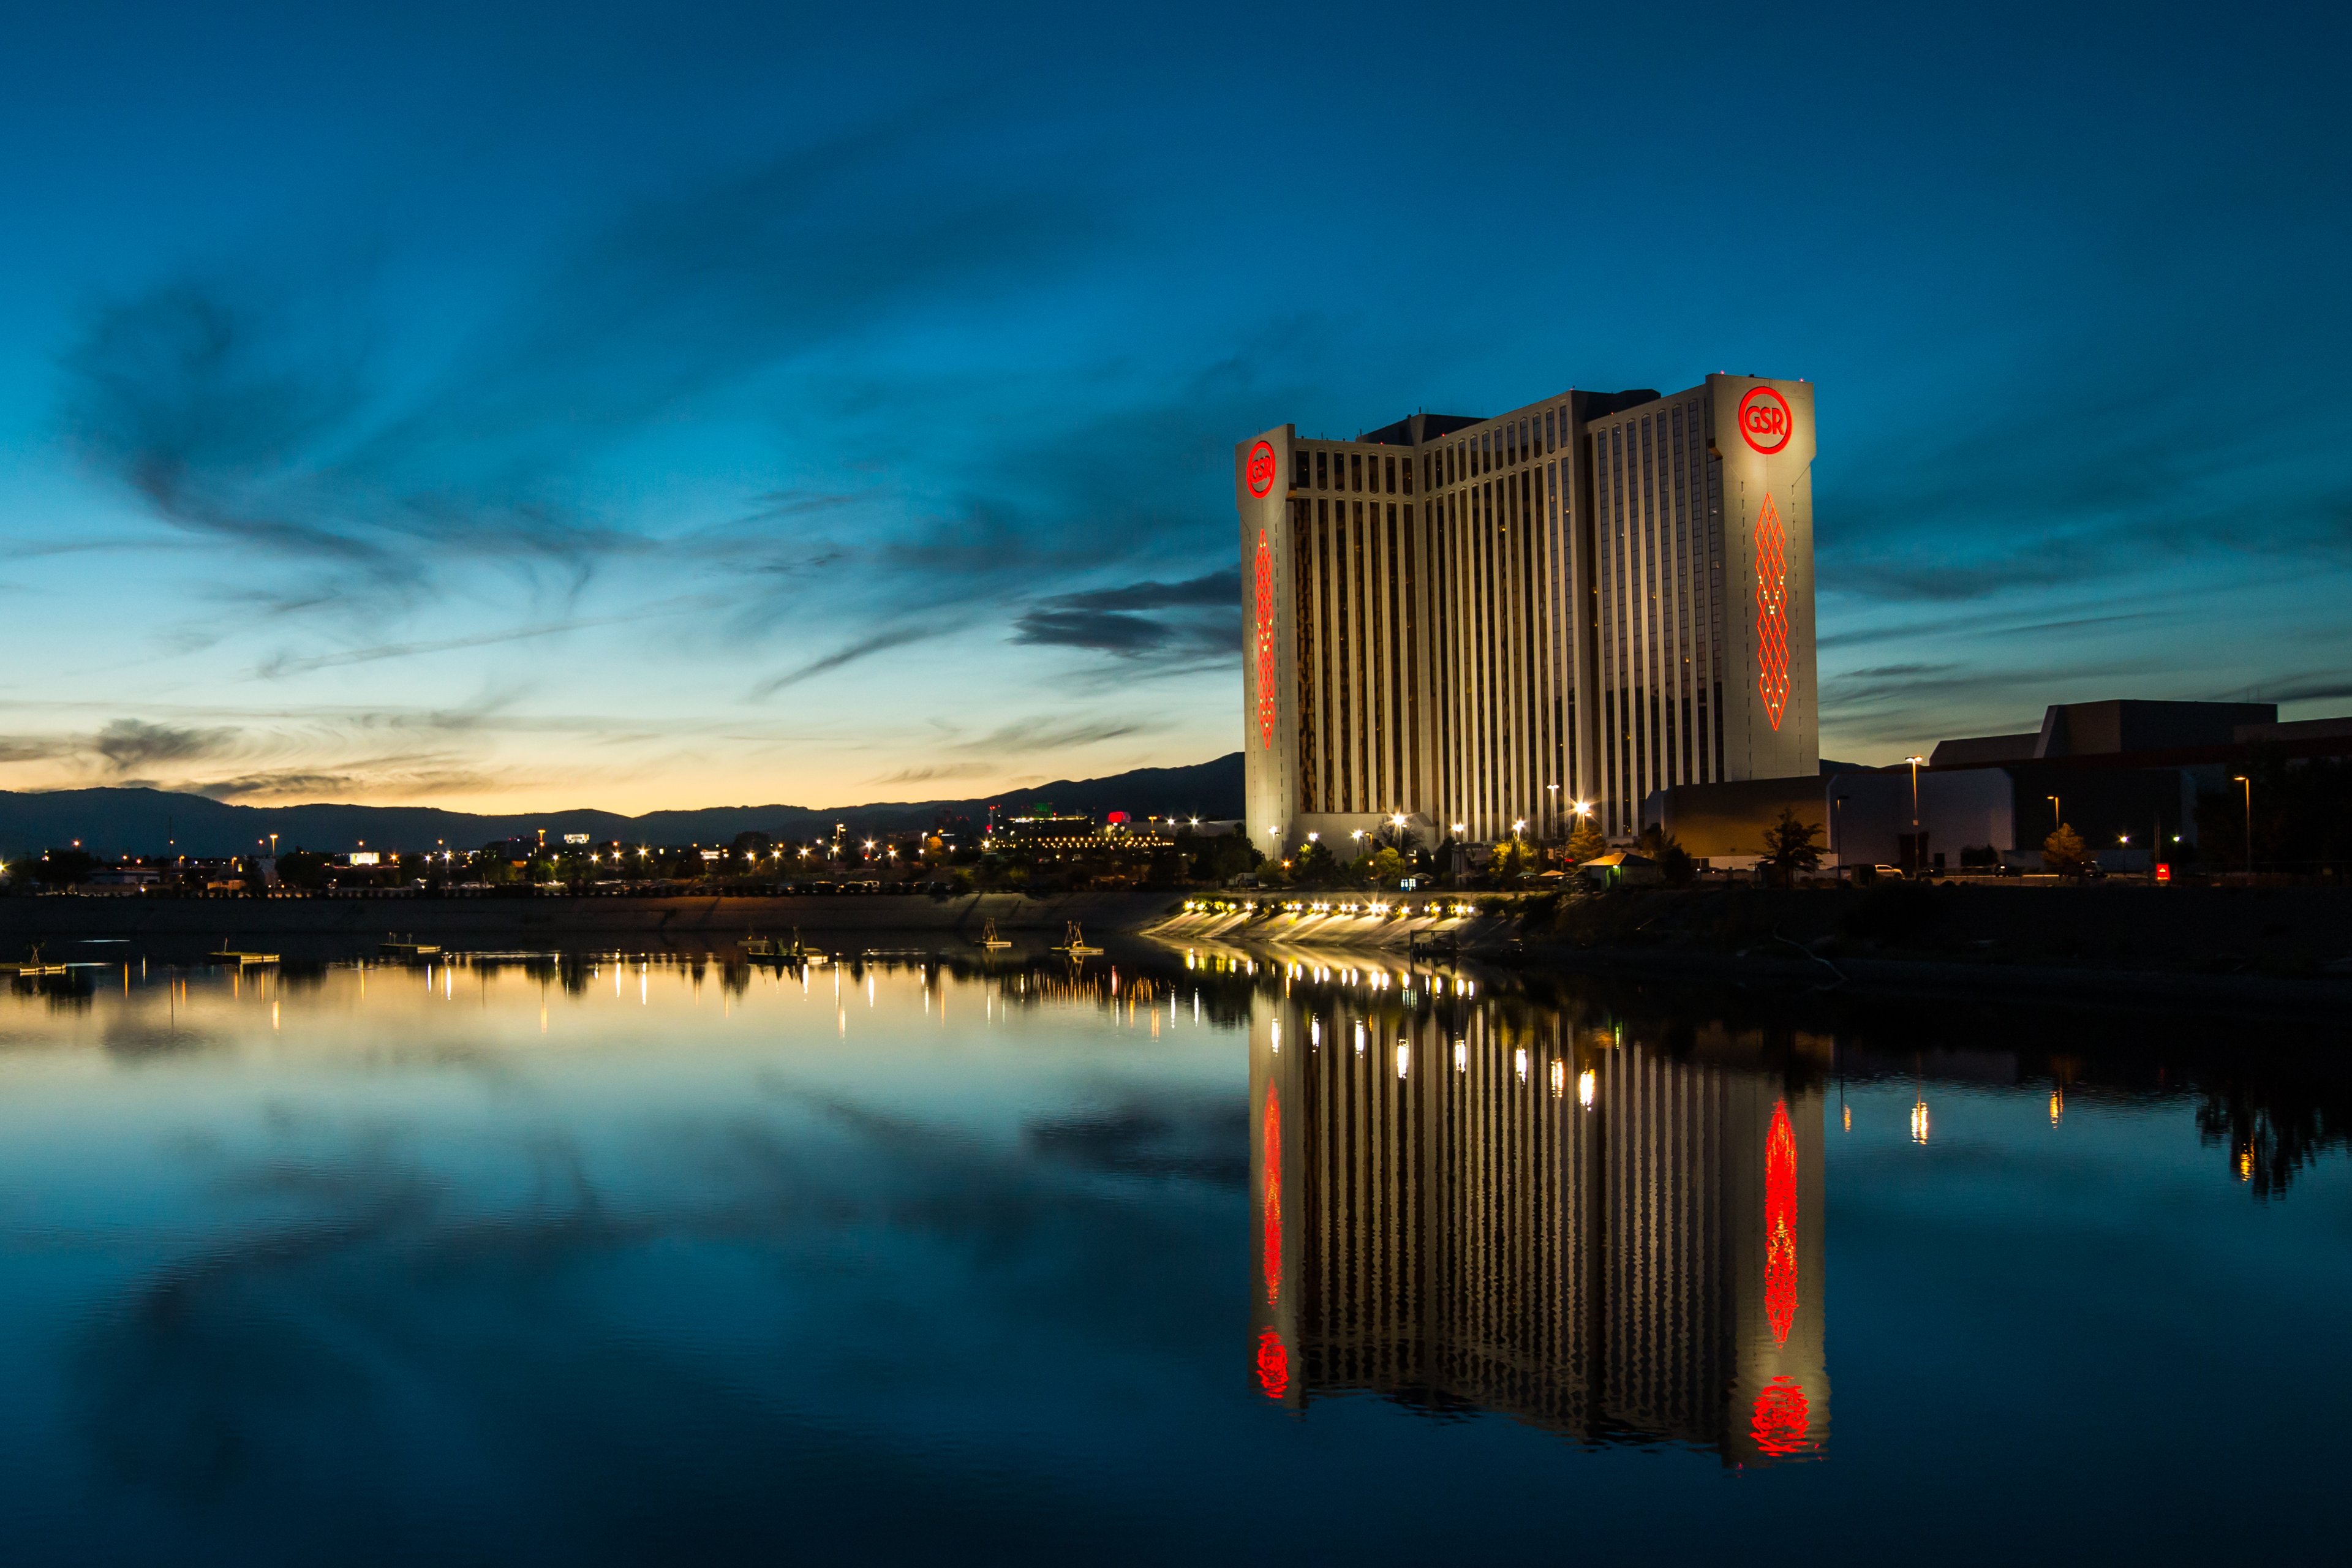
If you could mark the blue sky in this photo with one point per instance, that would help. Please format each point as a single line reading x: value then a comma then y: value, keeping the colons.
x: 514, y: 408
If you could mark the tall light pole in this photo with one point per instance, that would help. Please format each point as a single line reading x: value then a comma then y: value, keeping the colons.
x: 2247, y: 781
x: 1918, y: 850
x: 2057, y: 813
x: 1552, y: 822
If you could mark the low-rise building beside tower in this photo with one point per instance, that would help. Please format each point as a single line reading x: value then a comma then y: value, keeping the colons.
x: 1480, y: 625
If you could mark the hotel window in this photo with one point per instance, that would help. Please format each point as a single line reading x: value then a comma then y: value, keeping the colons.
x: 1509, y: 455
x: 1322, y: 469
x: 1356, y: 471
x: 1408, y: 476
x: 1552, y: 433
x: 1389, y: 464
x: 1297, y: 477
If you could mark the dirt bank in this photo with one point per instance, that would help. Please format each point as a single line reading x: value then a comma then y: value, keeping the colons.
x: 321, y: 924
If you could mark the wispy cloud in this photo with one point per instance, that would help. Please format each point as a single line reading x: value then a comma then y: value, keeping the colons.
x: 285, y: 664
x: 131, y: 743
x: 840, y: 657
x: 1199, y: 619
x: 935, y: 770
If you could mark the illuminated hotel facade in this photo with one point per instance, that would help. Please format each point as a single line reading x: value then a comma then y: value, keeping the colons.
x: 1484, y: 621
x: 1609, y: 1240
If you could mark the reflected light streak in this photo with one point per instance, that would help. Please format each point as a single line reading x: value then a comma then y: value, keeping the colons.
x: 1270, y: 1258
x: 1780, y: 1224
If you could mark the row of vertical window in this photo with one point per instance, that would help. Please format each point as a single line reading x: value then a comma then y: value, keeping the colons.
x: 1657, y: 710
x: 1377, y: 472
x: 1498, y: 654
x: 1348, y: 559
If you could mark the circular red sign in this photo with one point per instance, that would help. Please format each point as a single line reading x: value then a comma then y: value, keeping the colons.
x: 1261, y: 467
x: 1765, y: 421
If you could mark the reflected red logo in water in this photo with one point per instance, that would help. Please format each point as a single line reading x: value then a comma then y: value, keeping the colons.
x: 1781, y: 1225
x: 1260, y: 469
x: 1273, y: 1364
x: 1782, y: 1419
x: 1765, y: 421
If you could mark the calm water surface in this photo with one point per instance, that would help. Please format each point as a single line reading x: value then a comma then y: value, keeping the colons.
x: 1173, y: 1258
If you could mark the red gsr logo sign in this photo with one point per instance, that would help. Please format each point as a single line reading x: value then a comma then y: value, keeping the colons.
x: 1764, y: 420
x: 1260, y: 469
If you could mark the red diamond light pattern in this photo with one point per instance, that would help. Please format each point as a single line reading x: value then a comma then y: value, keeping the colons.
x: 1771, y: 611
x: 1266, y: 672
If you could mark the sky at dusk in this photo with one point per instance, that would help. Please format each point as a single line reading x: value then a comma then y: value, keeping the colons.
x: 506, y: 407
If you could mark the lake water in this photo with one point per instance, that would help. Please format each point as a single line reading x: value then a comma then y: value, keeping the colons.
x: 1173, y: 1258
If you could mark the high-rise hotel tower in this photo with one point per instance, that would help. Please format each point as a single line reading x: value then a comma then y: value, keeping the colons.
x: 1485, y: 621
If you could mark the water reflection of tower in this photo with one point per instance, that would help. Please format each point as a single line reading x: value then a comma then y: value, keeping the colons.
x: 1441, y: 1217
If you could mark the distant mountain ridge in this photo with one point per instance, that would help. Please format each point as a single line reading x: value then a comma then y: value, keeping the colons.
x: 145, y: 821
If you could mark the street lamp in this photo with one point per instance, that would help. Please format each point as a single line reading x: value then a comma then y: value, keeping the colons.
x: 1554, y: 818
x: 2057, y: 813
x: 2249, y: 782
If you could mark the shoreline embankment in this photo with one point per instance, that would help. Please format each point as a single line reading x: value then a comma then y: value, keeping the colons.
x: 2256, y: 949
x: 324, y: 926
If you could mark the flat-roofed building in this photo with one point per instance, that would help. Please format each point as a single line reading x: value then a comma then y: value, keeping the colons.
x: 1484, y: 621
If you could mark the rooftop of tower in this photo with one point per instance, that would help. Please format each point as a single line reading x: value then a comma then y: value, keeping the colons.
x: 1418, y: 429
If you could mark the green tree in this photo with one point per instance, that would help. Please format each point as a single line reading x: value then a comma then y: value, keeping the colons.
x: 1220, y: 857
x: 1587, y: 843
x: 1387, y: 866
x: 1512, y: 860
x: 1312, y: 864
x: 2064, y: 853
x: 1790, y: 847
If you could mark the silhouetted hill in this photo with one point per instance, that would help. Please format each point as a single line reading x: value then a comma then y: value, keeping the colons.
x: 143, y: 821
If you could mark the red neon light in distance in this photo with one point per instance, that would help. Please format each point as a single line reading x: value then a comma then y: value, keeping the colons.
x: 1260, y: 469
x: 1765, y: 421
